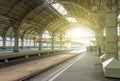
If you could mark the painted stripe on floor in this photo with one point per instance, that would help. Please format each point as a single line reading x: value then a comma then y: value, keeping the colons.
x: 62, y: 69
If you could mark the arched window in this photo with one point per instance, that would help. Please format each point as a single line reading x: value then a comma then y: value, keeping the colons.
x: 80, y: 35
x: 46, y: 37
x: 118, y: 29
x: 32, y: 43
x: 28, y: 42
x: 13, y: 40
x: 1, y: 41
x: 7, y: 41
x: 19, y: 42
x: 25, y: 42
x: 57, y: 40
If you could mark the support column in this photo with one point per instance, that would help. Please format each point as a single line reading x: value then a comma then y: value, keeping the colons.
x: 40, y: 42
x: 11, y: 42
x: 16, y: 40
x: 47, y: 44
x: 16, y: 35
x: 61, y: 38
x: 111, y: 30
x: 34, y: 44
x: 22, y: 42
x: 4, y: 42
x: 53, y: 37
x: 100, y: 42
x: 26, y: 42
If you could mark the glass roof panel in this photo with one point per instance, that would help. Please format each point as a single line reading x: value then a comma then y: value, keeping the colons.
x: 71, y: 19
x: 118, y: 16
x: 56, y: 5
x: 60, y: 8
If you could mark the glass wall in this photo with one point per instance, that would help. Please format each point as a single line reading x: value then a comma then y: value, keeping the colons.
x: 1, y: 41
x: 8, y: 41
x: 46, y: 40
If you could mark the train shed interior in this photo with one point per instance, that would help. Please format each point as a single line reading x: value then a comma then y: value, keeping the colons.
x: 50, y: 28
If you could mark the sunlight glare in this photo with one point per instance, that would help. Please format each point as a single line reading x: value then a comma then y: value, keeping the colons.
x: 80, y: 35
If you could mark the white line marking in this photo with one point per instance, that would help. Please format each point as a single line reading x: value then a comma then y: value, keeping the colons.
x: 65, y: 68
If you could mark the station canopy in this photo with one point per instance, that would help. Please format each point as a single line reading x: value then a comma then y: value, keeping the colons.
x: 34, y: 16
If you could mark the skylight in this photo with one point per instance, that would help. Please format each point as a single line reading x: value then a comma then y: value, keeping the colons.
x: 60, y: 8
x: 118, y: 16
x: 71, y: 19
x: 63, y: 11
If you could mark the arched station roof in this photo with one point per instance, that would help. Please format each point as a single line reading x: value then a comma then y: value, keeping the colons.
x: 35, y: 16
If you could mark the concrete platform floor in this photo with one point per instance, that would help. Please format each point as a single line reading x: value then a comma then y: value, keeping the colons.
x: 87, y: 68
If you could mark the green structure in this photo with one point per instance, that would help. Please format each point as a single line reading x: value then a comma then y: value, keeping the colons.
x: 24, y: 22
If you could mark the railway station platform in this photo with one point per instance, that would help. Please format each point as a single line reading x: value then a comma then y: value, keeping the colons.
x: 38, y: 34
x: 84, y: 66
x: 6, y: 56
x: 6, y: 52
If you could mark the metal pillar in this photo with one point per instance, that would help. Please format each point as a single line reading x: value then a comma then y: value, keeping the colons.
x: 34, y: 44
x: 61, y: 38
x: 16, y: 35
x: 16, y: 40
x: 4, y: 42
x: 10, y: 42
x: 26, y: 42
x: 53, y: 37
x: 47, y: 44
x: 40, y: 42
x: 22, y: 42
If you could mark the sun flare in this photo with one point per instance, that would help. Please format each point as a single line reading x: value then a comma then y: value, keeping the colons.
x: 81, y: 35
